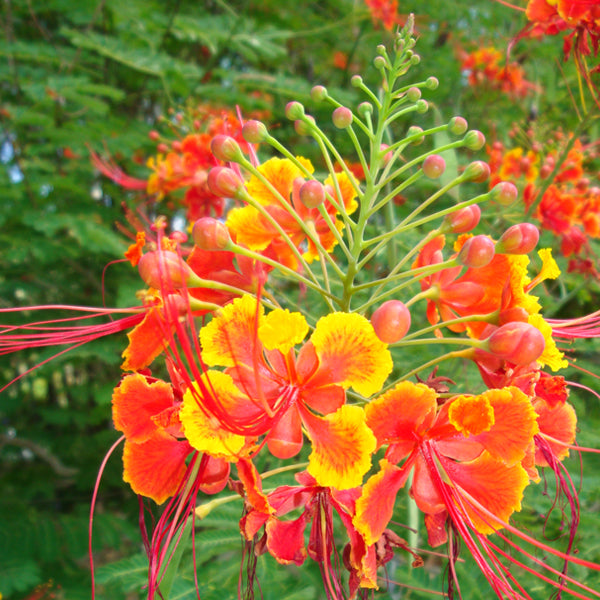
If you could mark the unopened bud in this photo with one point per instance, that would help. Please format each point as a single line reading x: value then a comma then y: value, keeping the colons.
x: 504, y: 193
x: 153, y: 135
x: 415, y: 59
x: 224, y: 182
x: 294, y: 110
x: 517, y: 342
x: 174, y: 306
x: 432, y: 83
x: 391, y: 321
x: 463, y: 220
x: 342, y: 117
x: 388, y: 155
x: 434, y: 166
x: 356, y: 80
x: 303, y: 127
x: 164, y: 268
x: 318, y: 93
x: 413, y: 94
x: 521, y: 238
x: 254, y: 132
x: 478, y: 171
x: 379, y: 63
x: 415, y: 130
x: 457, y: 125
x: 476, y: 252
x: 364, y: 109
x: 210, y: 234
x: 225, y: 148
x: 312, y: 193
x: 422, y: 106
x: 474, y: 140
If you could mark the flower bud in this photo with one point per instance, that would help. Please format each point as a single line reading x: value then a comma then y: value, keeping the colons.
x: 415, y: 59
x: 379, y: 62
x: 294, y: 110
x: 225, y: 148
x: 474, y: 140
x: 254, y: 132
x: 432, y: 83
x: 422, y: 106
x: 342, y: 117
x: 356, y: 80
x: 312, y: 193
x: 457, y: 125
x: 521, y: 238
x: 153, y: 135
x: 478, y: 171
x: 415, y: 130
x: 388, y: 155
x: 164, y: 267
x: 174, y: 306
x: 302, y: 127
x: 463, y: 220
x: 223, y: 182
x: 434, y: 166
x: 413, y: 94
x: 391, y: 321
x: 318, y: 93
x: 476, y: 252
x: 364, y: 109
x: 517, y: 342
x: 210, y: 234
x: 504, y: 193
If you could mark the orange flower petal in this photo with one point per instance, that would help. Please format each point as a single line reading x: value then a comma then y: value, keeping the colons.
x: 146, y: 340
x: 492, y: 484
x: 471, y: 415
x: 155, y: 468
x: 135, y: 402
x: 250, y: 228
x: 401, y: 414
x: 557, y: 424
x: 350, y: 354
x: 375, y: 506
x: 230, y: 338
x: 285, y: 539
x: 253, y: 487
x: 342, y: 447
x: 204, y: 432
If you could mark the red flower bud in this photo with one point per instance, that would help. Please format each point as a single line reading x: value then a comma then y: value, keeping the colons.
x: 224, y: 182
x: 521, y: 238
x: 478, y: 171
x: 318, y: 93
x: 391, y: 321
x: 517, y: 342
x: 476, y: 252
x: 434, y: 166
x: 164, y: 268
x: 474, y: 140
x: 225, y: 148
x: 210, y: 234
x: 312, y: 193
x: 463, y: 220
x: 303, y: 127
x: 294, y: 111
x: 342, y: 117
x: 254, y: 132
x: 457, y: 125
x: 504, y: 193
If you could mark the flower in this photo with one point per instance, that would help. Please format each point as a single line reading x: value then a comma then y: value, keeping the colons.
x: 270, y: 389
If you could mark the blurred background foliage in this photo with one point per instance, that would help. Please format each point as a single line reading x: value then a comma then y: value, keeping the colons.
x: 101, y: 75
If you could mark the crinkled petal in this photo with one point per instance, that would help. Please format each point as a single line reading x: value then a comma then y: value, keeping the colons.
x: 375, y: 506
x: 230, y: 338
x: 285, y: 539
x: 135, y: 401
x: 250, y: 228
x: 282, y: 330
x: 342, y: 447
x: 253, y: 487
x: 558, y: 426
x: 551, y: 356
x: 350, y: 354
x: 471, y: 415
x: 155, y: 468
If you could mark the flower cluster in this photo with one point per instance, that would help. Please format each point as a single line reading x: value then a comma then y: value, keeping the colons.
x: 489, y: 68
x: 560, y: 190
x: 282, y: 335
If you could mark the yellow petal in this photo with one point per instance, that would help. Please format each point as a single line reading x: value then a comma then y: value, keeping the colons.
x: 551, y: 356
x: 282, y: 330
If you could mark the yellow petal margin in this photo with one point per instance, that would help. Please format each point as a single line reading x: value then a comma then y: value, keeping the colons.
x: 282, y: 330
x: 205, y: 433
x: 351, y: 353
x: 342, y: 446
x: 229, y: 339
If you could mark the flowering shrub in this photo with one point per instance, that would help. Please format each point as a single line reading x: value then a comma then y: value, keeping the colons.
x: 299, y: 326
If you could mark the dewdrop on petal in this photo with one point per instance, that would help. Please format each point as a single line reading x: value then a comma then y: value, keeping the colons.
x: 391, y: 321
